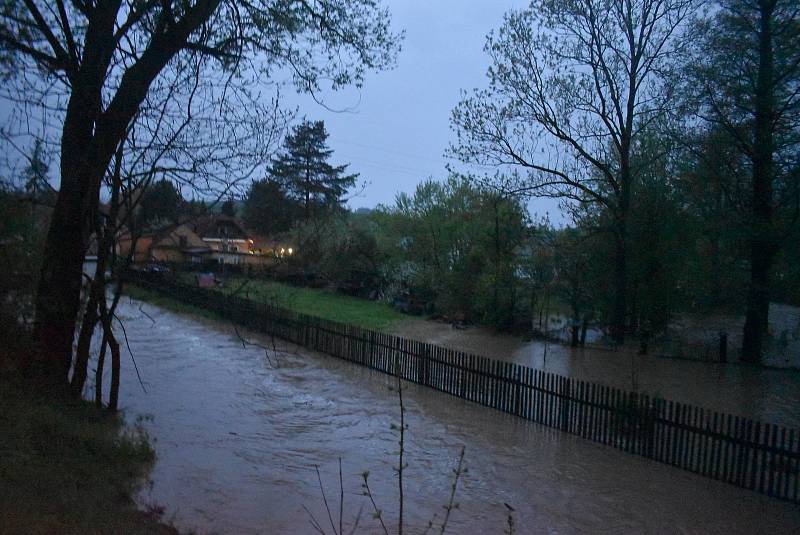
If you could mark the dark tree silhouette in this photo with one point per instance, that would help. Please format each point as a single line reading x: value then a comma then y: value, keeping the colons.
x: 268, y: 209
x: 747, y: 76
x: 161, y: 202
x: 101, y: 59
x: 573, y: 84
x: 228, y: 208
x: 304, y: 170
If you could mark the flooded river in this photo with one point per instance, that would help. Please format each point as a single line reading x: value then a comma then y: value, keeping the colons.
x: 238, y: 434
x: 768, y: 394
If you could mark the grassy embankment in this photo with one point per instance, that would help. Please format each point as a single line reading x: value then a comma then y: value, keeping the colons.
x: 373, y: 315
x: 67, y: 467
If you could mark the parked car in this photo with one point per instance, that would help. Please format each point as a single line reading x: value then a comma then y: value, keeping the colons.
x: 156, y: 268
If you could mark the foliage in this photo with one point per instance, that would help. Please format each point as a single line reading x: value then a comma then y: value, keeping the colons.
x: 23, y: 225
x: 341, y: 248
x: 455, y: 245
x: 34, y: 176
x: 746, y: 74
x: 268, y: 209
x: 228, y: 208
x: 160, y: 204
x: 572, y: 87
x: 303, y: 170
x: 170, y: 86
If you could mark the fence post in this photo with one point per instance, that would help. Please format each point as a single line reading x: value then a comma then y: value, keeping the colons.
x: 564, y: 404
x: 422, y: 365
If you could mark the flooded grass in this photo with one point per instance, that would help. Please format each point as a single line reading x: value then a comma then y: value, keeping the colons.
x: 69, y: 468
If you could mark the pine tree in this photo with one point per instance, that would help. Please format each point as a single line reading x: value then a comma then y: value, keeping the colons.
x: 304, y: 171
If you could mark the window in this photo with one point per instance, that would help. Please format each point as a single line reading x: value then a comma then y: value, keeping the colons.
x: 182, y: 241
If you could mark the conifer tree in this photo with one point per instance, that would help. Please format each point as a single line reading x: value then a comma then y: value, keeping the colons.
x: 304, y: 170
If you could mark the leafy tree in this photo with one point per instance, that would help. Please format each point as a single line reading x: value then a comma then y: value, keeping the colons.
x: 102, y: 59
x: 456, y: 246
x: 746, y: 79
x: 708, y: 173
x: 304, y: 170
x: 193, y: 208
x: 573, y: 84
x: 341, y: 248
x: 573, y: 283
x: 268, y: 209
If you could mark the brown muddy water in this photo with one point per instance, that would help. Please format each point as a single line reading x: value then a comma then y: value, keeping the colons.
x: 768, y: 394
x: 237, y: 437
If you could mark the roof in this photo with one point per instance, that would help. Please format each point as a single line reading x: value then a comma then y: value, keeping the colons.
x: 219, y: 226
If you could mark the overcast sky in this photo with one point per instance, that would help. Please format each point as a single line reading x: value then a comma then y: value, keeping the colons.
x: 397, y: 126
x: 397, y: 135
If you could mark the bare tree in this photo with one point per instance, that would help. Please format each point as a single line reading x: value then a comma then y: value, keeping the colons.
x: 98, y: 61
x: 573, y: 84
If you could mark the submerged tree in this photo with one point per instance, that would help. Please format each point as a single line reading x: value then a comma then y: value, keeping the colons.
x: 304, y: 170
x: 573, y: 84
x: 94, y: 64
x: 747, y: 81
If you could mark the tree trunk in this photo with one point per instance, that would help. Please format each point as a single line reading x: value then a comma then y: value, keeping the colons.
x: 58, y: 292
x: 757, y: 316
x: 584, y: 328
x: 87, y: 146
x: 575, y: 332
x: 761, y: 246
x: 98, y: 373
x: 113, y: 395
x: 83, y: 347
x: 90, y: 319
x: 618, y: 325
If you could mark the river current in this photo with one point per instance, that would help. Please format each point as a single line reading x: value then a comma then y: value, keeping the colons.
x: 239, y: 430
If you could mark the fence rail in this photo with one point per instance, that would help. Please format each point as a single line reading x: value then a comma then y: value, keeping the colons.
x: 759, y: 456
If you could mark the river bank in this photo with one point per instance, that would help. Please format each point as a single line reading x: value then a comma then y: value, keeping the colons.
x: 69, y: 468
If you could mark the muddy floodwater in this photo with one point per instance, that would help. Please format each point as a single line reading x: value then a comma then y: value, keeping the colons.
x: 238, y: 434
x: 768, y: 394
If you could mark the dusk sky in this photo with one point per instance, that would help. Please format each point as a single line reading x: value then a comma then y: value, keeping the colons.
x: 395, y: 130
x: 400, y: 127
